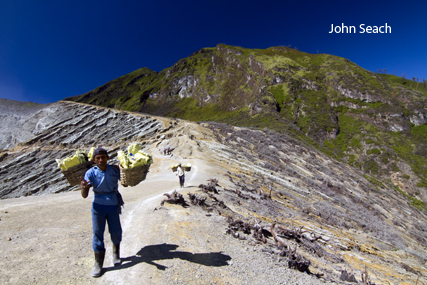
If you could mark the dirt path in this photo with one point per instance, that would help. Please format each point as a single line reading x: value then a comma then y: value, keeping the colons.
x: 149, y: 228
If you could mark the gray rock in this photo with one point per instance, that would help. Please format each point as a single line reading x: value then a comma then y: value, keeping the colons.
x: 57, y: 131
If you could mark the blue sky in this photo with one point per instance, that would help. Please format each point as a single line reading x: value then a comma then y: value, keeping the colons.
x: 50, y: 50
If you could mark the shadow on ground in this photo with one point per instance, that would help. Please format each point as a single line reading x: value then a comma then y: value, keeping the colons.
x: 151, y: 253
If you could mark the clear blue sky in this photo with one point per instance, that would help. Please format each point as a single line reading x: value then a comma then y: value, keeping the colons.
x: 50, y: 50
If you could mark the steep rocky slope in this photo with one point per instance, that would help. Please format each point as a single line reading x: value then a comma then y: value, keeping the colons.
x: 330, y: 213
x: 62, y: 128
x: 375, y: 122
x: 19, y: 121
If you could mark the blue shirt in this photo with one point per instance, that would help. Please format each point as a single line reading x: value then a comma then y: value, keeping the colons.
x: 105, y: 184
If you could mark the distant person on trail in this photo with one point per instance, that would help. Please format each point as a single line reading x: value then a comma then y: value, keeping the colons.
x: 167, y: 150
x: 181, y: 175
x: 106, y: 207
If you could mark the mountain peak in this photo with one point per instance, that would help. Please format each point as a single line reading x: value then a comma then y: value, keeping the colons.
x: 370, y: 121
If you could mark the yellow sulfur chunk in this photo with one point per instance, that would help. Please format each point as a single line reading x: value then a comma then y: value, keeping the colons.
x: 139, y: 162
x: 90, y: 154
x: 60, y: 164
x: 124, y: 160
x: 150, y: 159
x: 142, y: 158
x: 82, y: 157
x: 138, y: 157
x: 71, y: 161
x: 134, y: 148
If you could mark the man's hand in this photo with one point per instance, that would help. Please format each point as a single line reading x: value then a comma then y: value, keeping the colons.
x: 85, y: 185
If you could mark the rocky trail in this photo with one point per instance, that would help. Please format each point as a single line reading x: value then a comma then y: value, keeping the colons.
x: 274, y: 204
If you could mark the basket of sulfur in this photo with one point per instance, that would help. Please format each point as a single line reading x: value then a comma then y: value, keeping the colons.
x: 187, y: 167
x: 74, y: 167
x: 134, y: 166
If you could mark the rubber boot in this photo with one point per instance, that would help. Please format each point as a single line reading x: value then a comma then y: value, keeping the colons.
x: 99, y: 262
x: 116, y: 255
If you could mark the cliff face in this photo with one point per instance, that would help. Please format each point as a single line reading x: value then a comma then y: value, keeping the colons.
x: 19, y: 121
x: 60, y: 129
x: 336, y: 216
x: 375, y: 122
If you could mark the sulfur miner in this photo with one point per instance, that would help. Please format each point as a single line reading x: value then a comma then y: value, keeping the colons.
x: 106, y: 207
x: 181, y: 175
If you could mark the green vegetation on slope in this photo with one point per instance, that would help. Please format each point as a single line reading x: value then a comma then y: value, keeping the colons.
x: 371, y: 121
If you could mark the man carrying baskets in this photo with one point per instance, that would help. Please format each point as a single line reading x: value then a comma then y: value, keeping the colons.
x: 106, y: 205
x: 181, y: 175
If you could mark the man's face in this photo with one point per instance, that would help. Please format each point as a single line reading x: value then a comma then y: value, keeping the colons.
x: 101, y: 160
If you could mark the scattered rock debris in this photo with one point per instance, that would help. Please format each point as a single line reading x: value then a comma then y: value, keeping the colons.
x: 242, y: 230
x: 196, y: 200
x: 258, y: 233
x: 347, y: 276
x: 295, y: 260
x: 211, y: 187
x: 281, y: 240
x: 174, y: 198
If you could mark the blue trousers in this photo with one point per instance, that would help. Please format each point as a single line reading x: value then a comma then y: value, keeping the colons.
x: 101, y: 215
x: 181, y: 180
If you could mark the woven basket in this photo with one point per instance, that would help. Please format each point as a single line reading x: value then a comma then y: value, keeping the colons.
x: 133, y: 176
x: 76, y: 173
x: 174, y: 169
x: 187, y: 168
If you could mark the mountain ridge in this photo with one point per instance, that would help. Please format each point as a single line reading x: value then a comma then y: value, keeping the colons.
x: 375, y: 122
